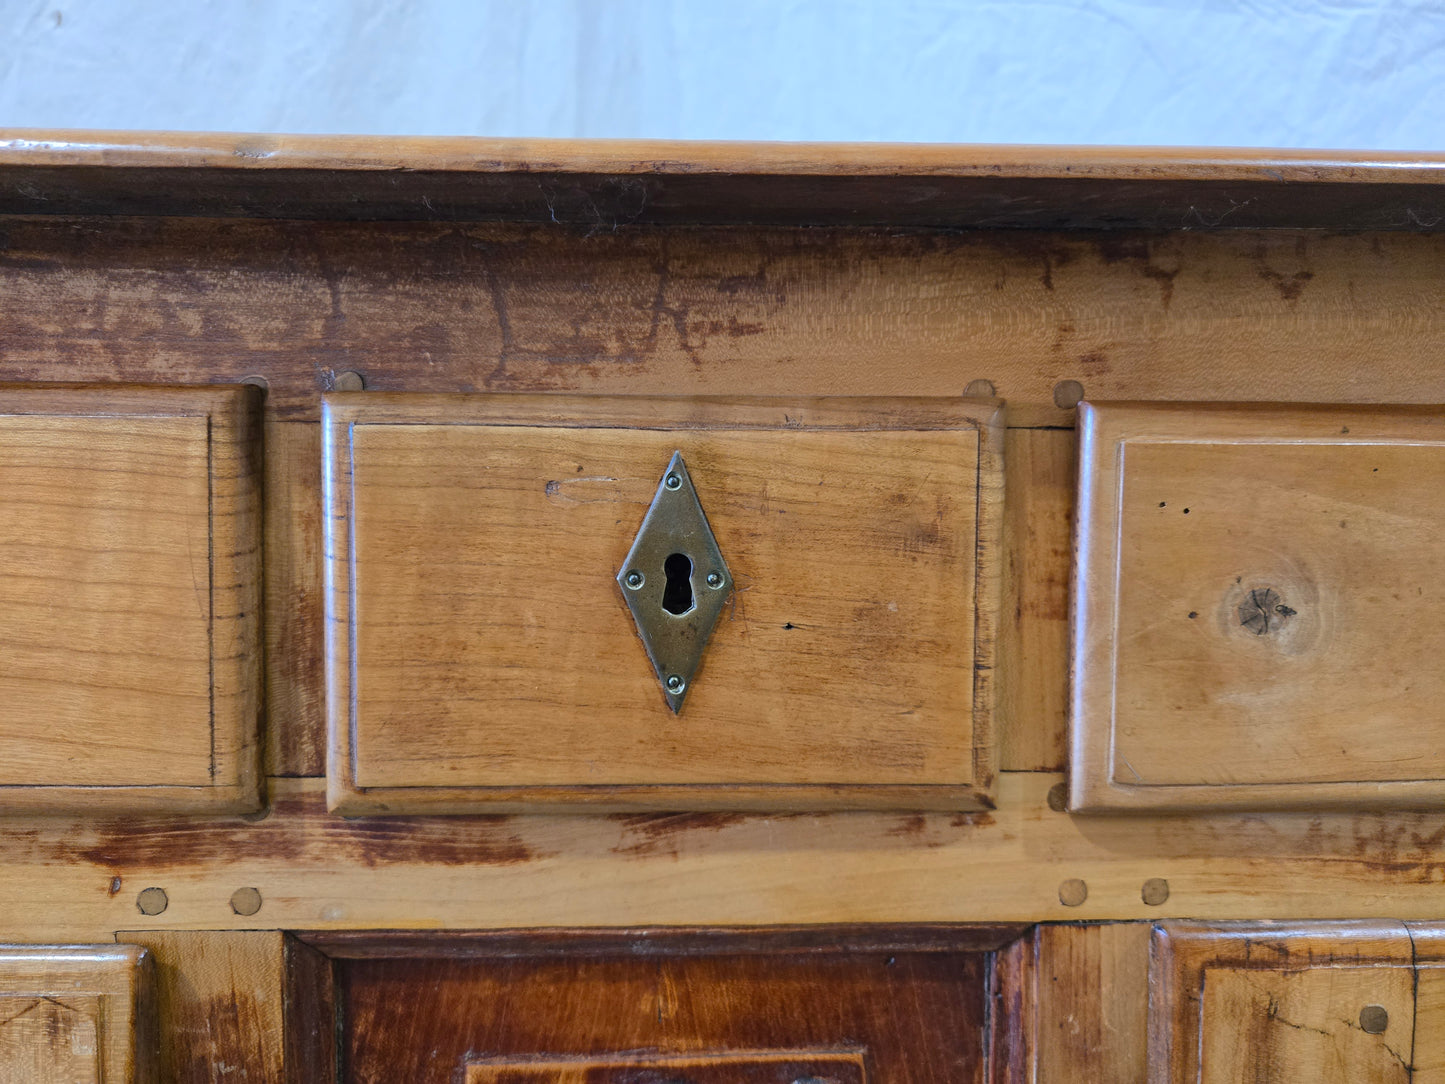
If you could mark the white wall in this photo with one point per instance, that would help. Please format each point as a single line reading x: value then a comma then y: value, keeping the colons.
x: 1291, y: 73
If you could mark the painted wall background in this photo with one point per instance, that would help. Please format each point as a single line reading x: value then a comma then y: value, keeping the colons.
x: 1290, y: 73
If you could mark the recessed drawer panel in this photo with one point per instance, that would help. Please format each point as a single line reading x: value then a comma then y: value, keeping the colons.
x: 77, y: 1014
x: 726, y: 1067
x: 130, y: 582
x: 481, y: 648
x: 1257, y: 607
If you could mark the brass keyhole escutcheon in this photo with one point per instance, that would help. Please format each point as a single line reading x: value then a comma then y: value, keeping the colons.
x: 675, y: 582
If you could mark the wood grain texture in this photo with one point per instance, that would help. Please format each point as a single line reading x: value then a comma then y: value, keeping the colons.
x: 130, y: 598
x: 1033, y: 644
x: 311, y: 1021
x: 853, y: 666
x: 76, y: 1014
x: 295, y: 655
x: 657, y: 181
x: 1428, y: 1062
x: 50, y: 1040
x: 444, y: 308
x: 907, y: 1017
x: 1092, y: 1003
x: 1305, y: 1025
x: 1252, y: 611
x: 1280, y: 1002
x: 220, y: 999
x: 71, y: 878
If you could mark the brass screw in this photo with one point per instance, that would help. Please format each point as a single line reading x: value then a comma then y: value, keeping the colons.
x: 673, y: 480
x: 635, y: 579
x: 674, y: 683
x: 714, y: 579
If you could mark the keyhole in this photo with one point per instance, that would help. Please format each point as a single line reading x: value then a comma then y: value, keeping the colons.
x: 677, y: 594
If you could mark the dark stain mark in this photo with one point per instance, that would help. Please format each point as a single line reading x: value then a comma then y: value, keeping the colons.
x: 649, y: 834
x: 159, y: 843
x: 789, y: 625
x: 1139, y: 251
x: 927, y: 831
x: 909, y: 827
x: 1095, y: 363
x: 1290, y: 287
x: 1263, y: 610
x: 1193, y: 614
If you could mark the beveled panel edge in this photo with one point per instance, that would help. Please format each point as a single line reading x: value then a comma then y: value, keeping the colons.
x: 234, y: 412
x: 1103, y: 427
x: 340, y: 411
x: 819, y: 939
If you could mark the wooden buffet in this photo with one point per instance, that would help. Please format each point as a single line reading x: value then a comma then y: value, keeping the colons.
x: 1066, y: 706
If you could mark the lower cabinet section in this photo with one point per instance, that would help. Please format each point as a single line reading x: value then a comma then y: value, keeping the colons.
x: 761, y: 1007
x: 1128, y: 1003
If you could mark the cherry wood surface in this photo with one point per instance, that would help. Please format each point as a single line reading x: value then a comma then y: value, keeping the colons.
x: 852, y: 666
x: 905, y: 1016
x: 130, y: 591
x: 1253, y: 607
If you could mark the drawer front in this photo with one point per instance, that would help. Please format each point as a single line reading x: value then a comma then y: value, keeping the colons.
x: 130, y: 581
x: 481, y: 648
x: 1255, y: 619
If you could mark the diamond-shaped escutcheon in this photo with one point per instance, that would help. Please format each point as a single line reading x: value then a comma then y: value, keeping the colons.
x: 675, y: 582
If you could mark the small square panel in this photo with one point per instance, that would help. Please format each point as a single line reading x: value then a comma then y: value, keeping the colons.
x: 129, y: 597
x: 1254, y: 607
